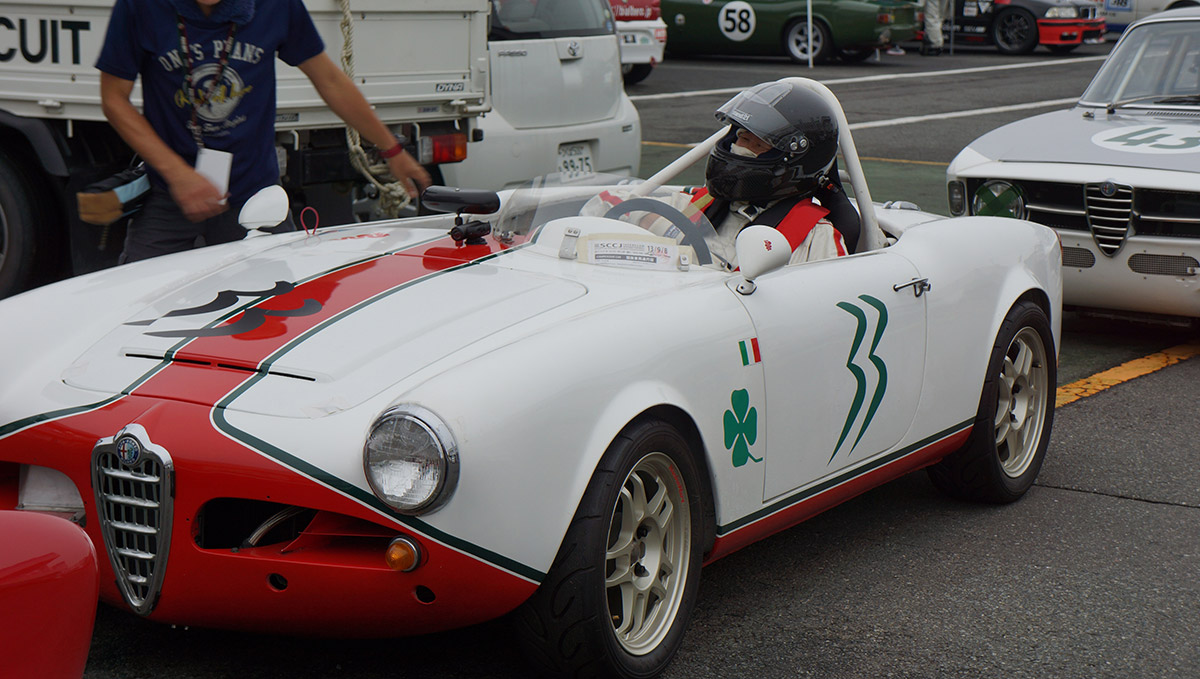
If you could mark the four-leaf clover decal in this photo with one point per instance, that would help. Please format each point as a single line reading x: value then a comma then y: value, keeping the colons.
x: 741, y: 428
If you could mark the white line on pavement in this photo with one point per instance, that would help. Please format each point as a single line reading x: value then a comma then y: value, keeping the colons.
x: 876, y: 78
x: 963, y: 114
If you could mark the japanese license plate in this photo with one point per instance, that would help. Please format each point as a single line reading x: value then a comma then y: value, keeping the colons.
x: 575, y: 162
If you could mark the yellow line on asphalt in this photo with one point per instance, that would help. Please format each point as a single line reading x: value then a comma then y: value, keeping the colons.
x: 1138, y: 367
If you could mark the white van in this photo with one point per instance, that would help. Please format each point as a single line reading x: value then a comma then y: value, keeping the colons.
x: 558, y: 102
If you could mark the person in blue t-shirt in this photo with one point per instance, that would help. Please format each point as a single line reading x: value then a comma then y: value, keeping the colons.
x: 208, y: 84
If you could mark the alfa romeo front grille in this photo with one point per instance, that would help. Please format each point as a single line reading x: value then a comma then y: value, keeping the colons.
x: 1078, y: 258
x: 1164, y: 265
x: 1109, y: 210
x: 133, y: 483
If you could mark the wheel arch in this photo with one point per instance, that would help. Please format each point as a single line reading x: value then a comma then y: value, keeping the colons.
x: 33, y: 140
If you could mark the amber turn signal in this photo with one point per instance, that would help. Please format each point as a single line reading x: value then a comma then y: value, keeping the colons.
x: 403, y: 554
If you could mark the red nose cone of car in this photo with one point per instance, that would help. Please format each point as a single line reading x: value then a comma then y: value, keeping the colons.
x: 49, y: 584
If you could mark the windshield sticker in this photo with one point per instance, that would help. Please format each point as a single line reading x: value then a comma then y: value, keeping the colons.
x: 749, y: 351
x: 741, y: 428
x: 860, y: 375
x: 737, y: 21
x: 1151, y: 139
x: 643, y: 252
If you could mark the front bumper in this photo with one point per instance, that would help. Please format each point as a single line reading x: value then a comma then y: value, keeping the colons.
x: 1070, y: 31
x: 1147, y: 275
x: 322, y: 574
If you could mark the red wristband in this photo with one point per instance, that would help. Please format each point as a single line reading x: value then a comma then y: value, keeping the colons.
x: 392, y: 152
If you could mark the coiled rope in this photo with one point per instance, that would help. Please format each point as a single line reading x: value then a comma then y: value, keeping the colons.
x: 392, y: 196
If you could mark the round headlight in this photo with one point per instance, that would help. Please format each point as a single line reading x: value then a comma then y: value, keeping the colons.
x: 998, y: 198
x: 411, y: 460
x: 1062, y: 12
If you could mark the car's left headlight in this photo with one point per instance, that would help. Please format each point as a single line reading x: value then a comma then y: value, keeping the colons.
x: 1069, y: 12
x: 998, y: 198
x: 411, y: 459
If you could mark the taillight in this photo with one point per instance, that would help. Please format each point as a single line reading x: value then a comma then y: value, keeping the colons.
x: 449, y: 148
x: 885, y: 18
x: 660, y: 34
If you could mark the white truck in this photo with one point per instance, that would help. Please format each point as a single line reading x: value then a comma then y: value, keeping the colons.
x: 423, y: 64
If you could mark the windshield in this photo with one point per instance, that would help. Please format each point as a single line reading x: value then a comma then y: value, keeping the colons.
x: 1155, y: 63
x: 623, y: 227
x: 533, y: 19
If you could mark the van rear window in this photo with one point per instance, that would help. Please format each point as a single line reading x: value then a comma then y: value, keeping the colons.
x: 531, y: 19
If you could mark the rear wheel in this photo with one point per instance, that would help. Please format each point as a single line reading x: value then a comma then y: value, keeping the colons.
x: 636, y: 73
x: 1016, y: 410
x: 1015, y: 31
x: 18, y: 224
x: 618, y: 598
x: 796, y: 41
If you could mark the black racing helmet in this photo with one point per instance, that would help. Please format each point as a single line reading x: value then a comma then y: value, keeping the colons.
x: 801, y: 128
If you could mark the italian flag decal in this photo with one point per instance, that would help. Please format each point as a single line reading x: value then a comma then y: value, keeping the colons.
x: 749, y: 349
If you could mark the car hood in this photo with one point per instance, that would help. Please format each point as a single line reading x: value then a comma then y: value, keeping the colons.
x: 317, y: 325
x: 1069, y: 137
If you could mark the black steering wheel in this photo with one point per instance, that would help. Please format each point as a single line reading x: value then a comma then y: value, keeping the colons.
x: 692, y: 235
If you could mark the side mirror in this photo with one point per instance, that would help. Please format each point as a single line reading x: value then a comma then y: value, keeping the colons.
x: 760, y: 249
x: 451, y: 199
x: 266, y: 208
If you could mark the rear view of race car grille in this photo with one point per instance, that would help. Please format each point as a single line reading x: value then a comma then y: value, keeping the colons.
x: 133, y: 483
x: 1164, y: 265
x: 1109, y: 209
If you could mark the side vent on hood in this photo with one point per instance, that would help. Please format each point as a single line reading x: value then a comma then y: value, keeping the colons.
x: 218, y: 365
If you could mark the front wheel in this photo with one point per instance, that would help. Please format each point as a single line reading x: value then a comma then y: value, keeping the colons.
x: 796, y: 42
x: 1016, y: 410
x: 619, y: 595
x: 19, y: 215
x: 1015, y: 31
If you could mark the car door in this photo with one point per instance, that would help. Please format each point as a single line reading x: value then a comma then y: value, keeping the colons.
x: 842, y: 343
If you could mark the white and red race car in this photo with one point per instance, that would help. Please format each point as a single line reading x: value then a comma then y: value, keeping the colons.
x: 382, y: 429
x: 643, y: 36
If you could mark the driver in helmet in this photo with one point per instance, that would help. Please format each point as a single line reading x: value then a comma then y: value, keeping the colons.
x: 775, y: 166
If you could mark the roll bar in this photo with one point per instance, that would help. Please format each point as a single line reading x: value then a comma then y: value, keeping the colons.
x: 872, y: 235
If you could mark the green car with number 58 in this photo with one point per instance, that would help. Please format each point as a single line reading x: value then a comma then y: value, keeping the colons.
x: 847, y: 29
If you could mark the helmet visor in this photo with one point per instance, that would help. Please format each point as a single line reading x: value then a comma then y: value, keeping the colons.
x: 757, y: 110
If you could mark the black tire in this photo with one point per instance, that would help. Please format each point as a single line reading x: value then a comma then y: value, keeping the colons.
x: 574, y: 624
x: 1016, y: 413
x: 795, y: 41
x: 19, y: 217
x: 1015, y: 31
x: 637, y: 73
x: 856, y: 55
x: 1061, y: 49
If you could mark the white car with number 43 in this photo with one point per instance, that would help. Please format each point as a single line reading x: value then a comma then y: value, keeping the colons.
x: 1117, y: 176
x: 406, y: 426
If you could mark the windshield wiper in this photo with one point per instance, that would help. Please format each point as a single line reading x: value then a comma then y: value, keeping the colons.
x: 1157, y: 99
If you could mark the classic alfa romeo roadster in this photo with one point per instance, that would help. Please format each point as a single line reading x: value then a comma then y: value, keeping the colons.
x: 401, y: 427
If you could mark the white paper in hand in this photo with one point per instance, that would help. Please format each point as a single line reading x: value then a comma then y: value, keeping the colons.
x: 215, y: 167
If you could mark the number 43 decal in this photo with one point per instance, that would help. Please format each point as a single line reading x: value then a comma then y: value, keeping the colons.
x: 1151, y: 139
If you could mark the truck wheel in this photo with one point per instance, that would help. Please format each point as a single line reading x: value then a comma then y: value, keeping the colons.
x: 619, y: 595
x: 1015, y: 31
x: 637, y: 73
x: 18, y: 242
x: 796, y: 43
x: 1016, y: 410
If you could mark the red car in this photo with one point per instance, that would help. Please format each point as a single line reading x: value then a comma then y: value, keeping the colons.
x: 643, y: 36
x: 49, y: 586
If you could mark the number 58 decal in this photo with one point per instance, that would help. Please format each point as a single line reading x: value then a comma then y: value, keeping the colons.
x: 736, y: 20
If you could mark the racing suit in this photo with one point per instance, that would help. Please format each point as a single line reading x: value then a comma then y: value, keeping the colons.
x: 801, y: 221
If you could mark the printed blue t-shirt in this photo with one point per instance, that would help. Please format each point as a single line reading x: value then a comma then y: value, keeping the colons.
x: 143, y: 40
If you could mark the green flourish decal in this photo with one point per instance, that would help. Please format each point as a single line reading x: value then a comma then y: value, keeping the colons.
x: 860, y: 376
x: 741, y: 428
